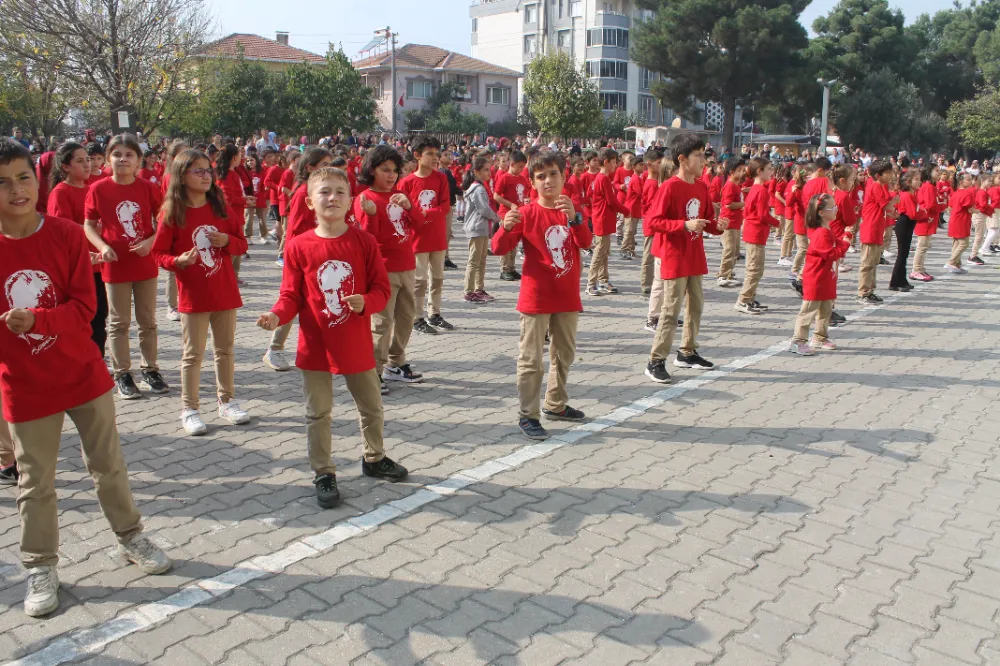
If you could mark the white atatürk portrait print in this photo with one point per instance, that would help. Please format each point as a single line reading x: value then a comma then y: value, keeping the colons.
x: 557, y: 241
x: 211, y: 257
x: 128, y: 217
x: 522, y: 196
x: 426, y: 199
x: 29, y: 289
x: 336, y: 281
x: 395, y: 213
x: 693, y: 209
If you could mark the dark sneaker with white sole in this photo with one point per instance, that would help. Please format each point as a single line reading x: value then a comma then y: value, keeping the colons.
x: 403, y: 373
x: 383, y: 387
x: 692, y: 361
x: 567, y: 414
x: 532, y: 429
x: 152, y: 381
x: 127, y: 389
x: 421, y: 326
x: 327, y: 493
x: 9, y: 475
x: 657, y: 371
x: 387, y: 469
x: 438, y: 322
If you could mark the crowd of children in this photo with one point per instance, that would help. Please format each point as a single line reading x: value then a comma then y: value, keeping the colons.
x: 363, y: 241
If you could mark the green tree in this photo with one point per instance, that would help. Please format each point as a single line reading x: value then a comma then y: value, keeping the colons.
x: 613, y: 125
x: 321, y: 99
x: 560, y: 97
x: 442, y: 95
x: 977, y: 121
x: 240, y: 98
x: 720, y: 50
x: 451, y: 119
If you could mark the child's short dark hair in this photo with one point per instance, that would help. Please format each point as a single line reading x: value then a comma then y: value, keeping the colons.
x: 127, y: 141
x: 546, y: 158
x: 11, y: 151
x: 607, y: 154
x: 517, y: 157
x: 652, y: 155
x: 376, y: 157
x: 756, y: 166
x: 423, y: 143
x: 95, y: 149
x: 822, y: 163
x: 907, y: 180
x: 589, y: 155
x: 732, y: 164
x: 842, y: 172
x: 685, y: 144
x: 879, y: 167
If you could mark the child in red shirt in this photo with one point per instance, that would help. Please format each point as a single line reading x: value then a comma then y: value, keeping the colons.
x: 197, y: 236
x: 874, y: 208
x: 818, y: 184
x: 334, y: 280
x: 983, y: 213
x: 927, y: 199
x: 148, y: 170
x: 633, y: 201
x: 962, y: 203
x: 259, y: 208
x: 549, y: 301
x: 285, y: 185
x: 95, y: 152
x: 993, y: 222
x: 511, y: 190
x: 911, y: 214
x: 48, y: 369
x: 757, y: 224
x: 605, y: 206
x: 819, y: 278
x: 622, y: 177
x: 274, y: 167
x: 119, y: 216
x: 731, y: 210
x: 654, y: 161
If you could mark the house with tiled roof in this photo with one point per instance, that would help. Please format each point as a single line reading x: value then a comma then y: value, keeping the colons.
x: 488, y: 89
x: 275, y: 54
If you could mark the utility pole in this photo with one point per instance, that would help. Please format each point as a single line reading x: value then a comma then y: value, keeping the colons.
x: 825, y: 121
x: 391, y: 38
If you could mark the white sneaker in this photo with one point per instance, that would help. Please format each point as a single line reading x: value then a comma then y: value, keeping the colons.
x: 193, y: 425
x: 887, y: 255
x: 173, y: 315
x: 42, y: 595
x: 144, y: 554
x: 232, y: 412
x: 851, y: 249
x: 276, y: 360
x: 792, y: 275
x: 785, y: 262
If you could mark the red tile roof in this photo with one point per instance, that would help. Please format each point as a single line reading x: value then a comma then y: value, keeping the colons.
x: 256, y: 47
x: 420, y: 56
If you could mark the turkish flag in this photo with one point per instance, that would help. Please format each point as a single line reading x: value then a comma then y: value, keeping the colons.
x: 400, y: 101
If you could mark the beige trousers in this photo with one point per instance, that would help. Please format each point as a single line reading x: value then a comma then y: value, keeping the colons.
x: 507, y: 261
x: 475, y: 270
x: 870, y: 255
x: 171, y: 290
x: 318, y: 389
x: 923, y: 244
x: 754, y: 271
x: 194, y: 336
x: 887, y: 237
x: 628, y: 243
x: 6, y: 443
x: 958, y: 246
x: 37, y: 450
x: 433, y: 263
x: 818, y: 310
x: 655, y: 294
x: 787, y: 237
x: 392, y: 327
x: 979, y: 232
x: 599, y: 262
x: 121, y: 296
x: 801, y: 247
x: 646, y: 274
x: 674, y: 293
x: 730, y: 252
x: 261, y: 215
x: 561, y: 327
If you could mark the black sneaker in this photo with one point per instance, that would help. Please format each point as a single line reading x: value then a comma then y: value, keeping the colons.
x: 692, y: 361
x: 9, y: 475
x: 647, y: 292
x: 421, y: 326
x: 977, y: 261
x: 836, y: 319
x: 651, y: 325
x: 567, y: 414
x: 326, y: 490
x: 878, y: 299
x: 680, y: 322
x: 657, y: 371
x: 383, y: 388
x: 532, y: 429
x: 797, y: 286
x: 386, y: 468
x: 402, y: 374
x: 869, y: 299
x: 759, y: 306
x: 508, y: 276
x: 438, y: 322
x: 882, y: 261
x: 517, y: 276
x: 126, y: 387
x: 449, y: 265
x: 152, y: 381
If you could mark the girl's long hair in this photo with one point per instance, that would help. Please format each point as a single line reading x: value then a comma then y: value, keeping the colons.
x: 63, y: 157
x: 666, y: 170
x: 224, y: 160
x: 470, y: 175
x: 376, y: 157
x: 175, y: 202
x: 311, y: 158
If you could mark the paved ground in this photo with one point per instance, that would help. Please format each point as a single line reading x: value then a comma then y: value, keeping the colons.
x: 827, y: 510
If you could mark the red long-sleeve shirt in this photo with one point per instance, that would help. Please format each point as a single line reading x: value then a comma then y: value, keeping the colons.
x: 271, y: 179
x: 633, y: 198
x: 876, y: 198
x: 681, y: 252
x: 649, y: 188
x: 819, y: 274
x: 605, y: 205
x: 732, y: 193
x: 960, y: 222
x: 126, y: 214
x: 432, y: 196
x: 392, y: 227
x: 794, y: 204
x: 846, y: 215
x: 983, y: 204
x: 926, y: 200
x: 301, y: 218
x: 232, y: 190
x: 757, y: 218
x: 285, y: 182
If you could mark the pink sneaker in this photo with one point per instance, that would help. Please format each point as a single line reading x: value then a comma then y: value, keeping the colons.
x: 801, y: 349
x: 484, y: 297
x: 471, y: 297
x: 825, y: 345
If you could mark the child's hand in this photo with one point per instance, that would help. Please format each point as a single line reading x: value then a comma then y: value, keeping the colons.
x: 355, y: 301
x: 18, y: 320
x: 565, y: 204
x: 400, y: 200
x: 144, y: 248
x: 96, y: 258
x: 511, y: 219
x: 218, y: 239
x: 107, y: 254
x: 368, y: 206
x: 268, y: 321
x: 186, y: 259
x: 695, y: 226
x: 722, y: 223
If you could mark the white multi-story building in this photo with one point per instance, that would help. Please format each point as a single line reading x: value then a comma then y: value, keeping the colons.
x: 596, y: 33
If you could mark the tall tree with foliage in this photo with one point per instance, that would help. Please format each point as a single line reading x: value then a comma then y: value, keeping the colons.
x: 560, y: 97
x: 720, y: 50
x: 977, y: 120
x: 320, y: 99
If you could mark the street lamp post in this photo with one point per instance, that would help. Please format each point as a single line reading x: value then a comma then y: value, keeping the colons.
x: 825, y: 120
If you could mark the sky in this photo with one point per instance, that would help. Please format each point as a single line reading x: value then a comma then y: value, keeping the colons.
x: 444, y: 23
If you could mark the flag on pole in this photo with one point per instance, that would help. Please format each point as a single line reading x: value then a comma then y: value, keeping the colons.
x: 400, y: 100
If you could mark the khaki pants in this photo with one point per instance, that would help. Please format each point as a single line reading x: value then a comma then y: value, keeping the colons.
x: 818, y: 310
x: 194, y: 335
x: 121, y: 296
x: 37, y: 449
x: 433, y: 263
x: 870, y: 255
x: 392, y: 327
x: 318, y: 389
x: 6, y: 443
x: 730, y: 252
x: 475, y: 270
x: 561, y: 327
x: 599, y: 262
x: 887, y: 237
x: 754, y: 271
x: 450, y: 219
x: 787, y: 237
x: 958, y: 246
x: 656, y: 294
x: 994, y: 220
x: 171, y: 290
x: 628, y: 243
x: 674, y: 292
x: 923, y: 244
x: 282, y: 237
x: 280, y: 337
x: 801, y: 247
x: 646, y: 274
x: 261, y: 215
x: 979, y: 231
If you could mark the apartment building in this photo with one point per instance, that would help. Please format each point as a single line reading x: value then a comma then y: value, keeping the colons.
x: 596, y: 33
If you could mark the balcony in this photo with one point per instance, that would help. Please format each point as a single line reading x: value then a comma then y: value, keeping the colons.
x: 612, y: 20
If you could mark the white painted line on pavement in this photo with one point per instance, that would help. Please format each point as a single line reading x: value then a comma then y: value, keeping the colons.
x: 82, y: 642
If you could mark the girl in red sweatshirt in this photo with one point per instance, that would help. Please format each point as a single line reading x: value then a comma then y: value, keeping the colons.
x: 993, y: 222
x: 285, y: 186
x: 197, y: 236
x: 605, y: 209
x: 819, y: 277
x: 334, y: 280
x: 731, y: 209
x: 757, y: 225
x: 927, y: 200
x: 119, y: 214
x: 259, y: 209
x: 654, y: 160
x: 963, y: 205
x: 983, y: 212
x: 911, y: 214
x: 633, y: 201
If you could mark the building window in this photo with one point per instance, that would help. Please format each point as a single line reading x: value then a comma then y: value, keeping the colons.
x: 645, y: 78
x: 576, y: 8
x: 613, y: 101
x: 563, y: 39
x: 465, y: 90
x: 530, y: 45
x: 607, y: 7
x: 531, y: 13
x: 419, y: 89
x: 617, y: 37
x: 607, y: 69
x: 475, y: 25
x: 647, y: 108
x: 497, y: 95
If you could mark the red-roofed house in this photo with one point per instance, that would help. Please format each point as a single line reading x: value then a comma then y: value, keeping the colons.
x: 275, y: 54
x: 489, y: 89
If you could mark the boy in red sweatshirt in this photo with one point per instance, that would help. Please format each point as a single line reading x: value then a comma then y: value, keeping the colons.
x: 731, y: 210
x: 553, y: 233
x: 512, y: 190
x: 334, y: 279
x: 757, y: 225
x: 620, y: 181
x: 606, y: 206
x: 654, y: 161
x: 874, y: 208
x: 682, y: 210
x: 49, y: 368
x: 963, y: 205
x: 633, y: 201
x: 983, y: 213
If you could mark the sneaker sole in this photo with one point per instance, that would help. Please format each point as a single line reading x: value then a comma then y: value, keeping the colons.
x: 424, y: 331
x: 199, y: 433
x: 235, y: 422
x: 275, y: 367
x: 403, y: 380
x: 658, y: 381
x: 691, y: 366
x: 386, y: 477
x: 143, y: 386
x: 537, y: 438
x: 135, y: 396
x: 327, y: 504
x: 42, y: 611
x: 559, y: 417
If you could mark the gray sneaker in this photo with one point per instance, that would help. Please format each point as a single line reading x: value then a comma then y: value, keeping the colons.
x: 276, y: 360
x: 42, y: 595
x: 144, y: 554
